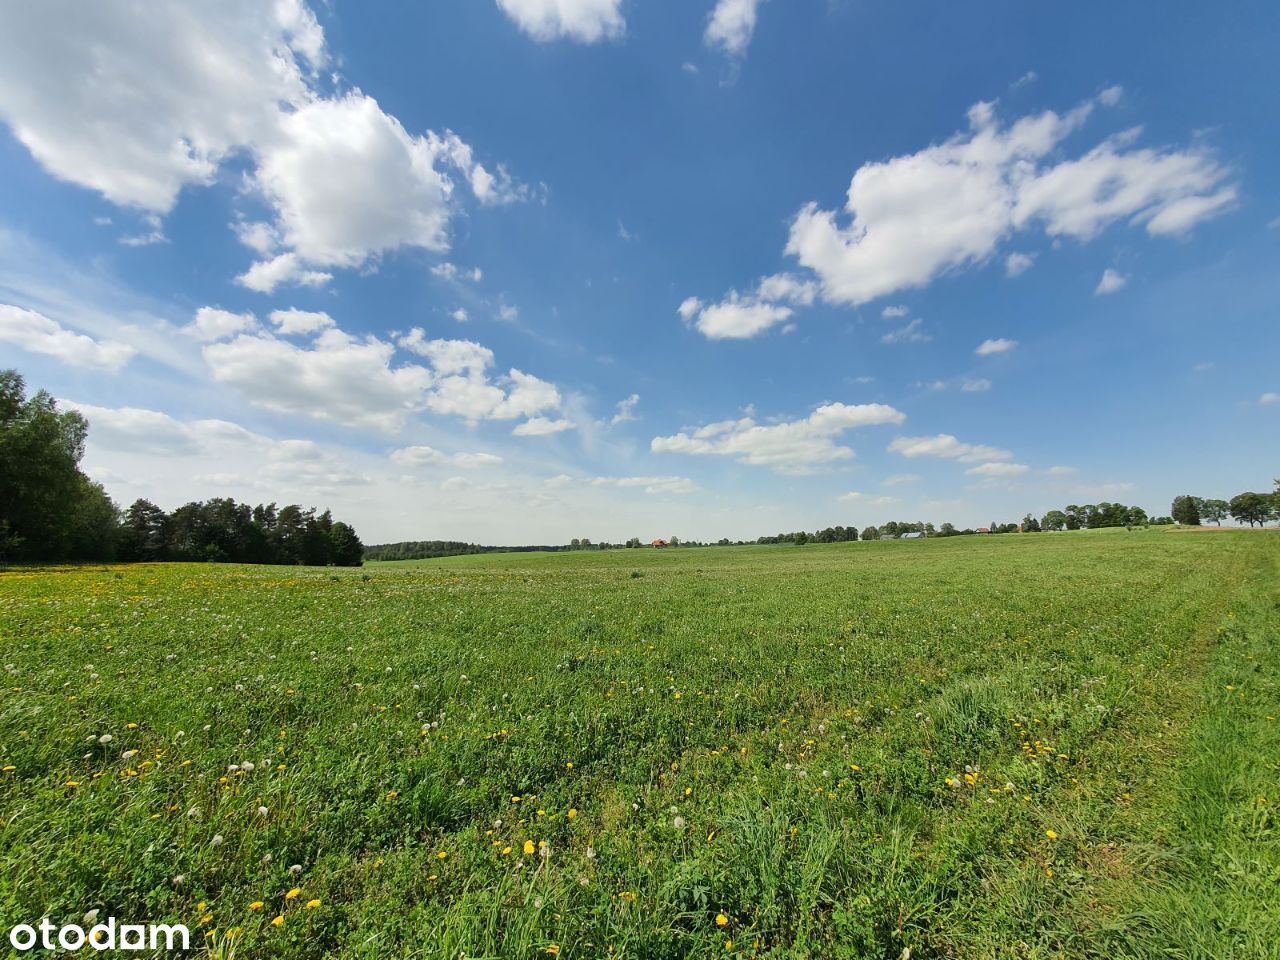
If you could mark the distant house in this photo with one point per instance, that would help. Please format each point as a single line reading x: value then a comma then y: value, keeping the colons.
x: 659, y: 543
x: 912, y: 536
x: 983, y: 530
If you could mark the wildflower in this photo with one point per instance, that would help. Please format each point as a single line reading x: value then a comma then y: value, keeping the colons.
x: 292, y: 894
x: 528, y: 848
x: 91, y: 917
x: 105, y: 739
x: 1051, y: 834
x: 678, y: 823
x: 131, y: 726
x: 9, y: 768
x: 278, y: 921
x: 553, y: 950
x: 313, y: 904
x: 295, y: 869
x: 721, y: 920
x: 262, y: 811
x: 256, y: 905
x: 442, y: 855
x: 572, y: 813
x: 506, y: 851
x: 728, y: 944
x: 128, y: 754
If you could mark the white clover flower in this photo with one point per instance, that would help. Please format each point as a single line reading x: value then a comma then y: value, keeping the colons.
x: 678, y: 823
x: 262, y: 811
x: 246, y: 766
x: 295, y: 869
x: 91, y: 917
x: 128, y: 754
x: 105, y: 739
x: 179, y: 880
x: 216, y: 841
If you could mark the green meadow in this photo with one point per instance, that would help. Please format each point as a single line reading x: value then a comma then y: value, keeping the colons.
x: 1034, y: 746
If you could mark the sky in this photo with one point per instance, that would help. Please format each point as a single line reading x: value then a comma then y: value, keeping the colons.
x: 516, y: 271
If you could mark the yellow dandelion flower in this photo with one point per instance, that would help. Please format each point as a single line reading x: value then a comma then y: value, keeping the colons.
x: 292, y: 894
x: 256, y: 905
x: 1051, y: 834
x: 313, y: 904
x: 529, y: 848
x: 278, y: 921
x: 506, y: 851
x: 553, y: 950
x: 573, y: 812
x: 442, y: 855
x: 721, y: 920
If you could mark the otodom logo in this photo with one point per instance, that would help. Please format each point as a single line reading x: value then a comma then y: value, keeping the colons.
x: 107, y: 935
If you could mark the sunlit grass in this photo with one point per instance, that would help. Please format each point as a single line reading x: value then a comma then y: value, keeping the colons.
x: 1017, y: 746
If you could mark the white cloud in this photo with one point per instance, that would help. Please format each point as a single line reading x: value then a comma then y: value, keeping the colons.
x: 1267, y: 399
x: 460, y: 315
x: 794, y: 446
x: 914, y: 217
x: 651, y: 485
x: 585, y: 21
x: 742, y: 316
x: 947, y: 447
x: 233, y: 455
x: 913, y: 332
x: 989, y: 348
x: 212, y: 324
x: 36, y: 333
x: 1017, y: 263
x: 853, y: 496
x: 335, y: 377
x: 295, y: 321
x: 981, y: 385
x: 265, y: 275
x: 892, y: 312
x: 998, y: 470
x: 541, y: 427
x: 731, y: 26
x: 626, y: 410
x: 451, y: 271
x: 430, y: 457
x: 1061, y: 471
x: 1111, y: 282
x: 329, y: 216
x: 900, y: 479
x: 137, y: 107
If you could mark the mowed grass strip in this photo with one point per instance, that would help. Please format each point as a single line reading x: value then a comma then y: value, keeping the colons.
x: 974, y: 747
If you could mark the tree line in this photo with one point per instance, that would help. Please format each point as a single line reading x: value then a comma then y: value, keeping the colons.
x: 51, y: 512
x: 1249, y: 507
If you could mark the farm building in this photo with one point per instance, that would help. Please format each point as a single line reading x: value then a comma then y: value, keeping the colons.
x: 659, y: 543
x: 912, y: 536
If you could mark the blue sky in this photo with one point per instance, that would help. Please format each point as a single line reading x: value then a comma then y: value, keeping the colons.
x: 523, y: 270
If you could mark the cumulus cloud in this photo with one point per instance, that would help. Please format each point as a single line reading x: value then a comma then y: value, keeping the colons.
x: 989, y: 348
x: 788, y: 446
x: 1267, y: 399
x: 947, y: 447
x: 742, y: 316
x: 430, y: 457
x: 585, y: 21
x: 981, y: 385
x: 295, y: 321
x: 1111, y: 282
x: 212, y: 324
x: 731, y: 26
x: 137, y: 108
x: 948, y: 206
x: 287, y: 268
x: 37, y: 333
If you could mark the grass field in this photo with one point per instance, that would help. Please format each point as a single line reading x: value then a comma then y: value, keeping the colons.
x: 1019, y: 746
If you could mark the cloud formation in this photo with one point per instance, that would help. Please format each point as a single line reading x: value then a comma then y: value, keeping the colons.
x: 36, y: 333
